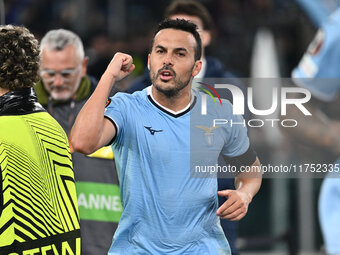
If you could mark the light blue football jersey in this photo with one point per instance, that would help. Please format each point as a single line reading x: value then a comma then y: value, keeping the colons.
x: 166, y: 209
x: 319, y: 10
x: 319, y: 71
x: 319, y: 68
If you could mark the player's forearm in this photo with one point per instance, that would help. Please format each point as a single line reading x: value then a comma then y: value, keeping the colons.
x: 250, y: 181
x: 90, y: 130
x: 87, y: 130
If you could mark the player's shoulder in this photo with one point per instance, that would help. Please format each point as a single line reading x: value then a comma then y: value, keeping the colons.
x: 318, y: 69
x: 126, y: 99
x: 331, y: 30
x: 138, y: 95
x: 335, y: 16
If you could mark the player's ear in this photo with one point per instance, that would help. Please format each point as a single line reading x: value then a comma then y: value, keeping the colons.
x: 149, y: 61
x: 197, y: 68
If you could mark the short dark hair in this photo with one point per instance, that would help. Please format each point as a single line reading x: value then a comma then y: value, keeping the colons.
x: 19, y: 58
x: 191, y: 8
x: 183, y: 25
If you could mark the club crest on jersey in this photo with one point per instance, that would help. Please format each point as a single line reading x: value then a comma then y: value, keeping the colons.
x: 208, y: 134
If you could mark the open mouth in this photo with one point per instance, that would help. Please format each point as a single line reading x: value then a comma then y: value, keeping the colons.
x: 166, y: 75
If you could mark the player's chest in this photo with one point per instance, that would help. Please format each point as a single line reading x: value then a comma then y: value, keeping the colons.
x: 183, y: 134
x: 163, y: 133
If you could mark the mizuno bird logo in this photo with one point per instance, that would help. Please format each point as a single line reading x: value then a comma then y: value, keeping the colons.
x: 153, y: 131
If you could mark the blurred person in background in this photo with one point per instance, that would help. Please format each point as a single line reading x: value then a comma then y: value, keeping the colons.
x: 63, y: 90
x: 38, y: 203
x: 211, y: 68
x: 318, y: 71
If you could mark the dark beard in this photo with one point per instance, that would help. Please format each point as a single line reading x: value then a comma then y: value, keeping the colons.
x: 170, y: 92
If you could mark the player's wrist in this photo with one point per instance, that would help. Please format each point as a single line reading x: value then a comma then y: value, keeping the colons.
x: 246, y: 195
x: 109, y: 78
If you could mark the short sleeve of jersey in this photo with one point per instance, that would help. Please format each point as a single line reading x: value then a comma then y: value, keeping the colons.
x: 237, y: 141
x: 318, y: 71
x: 115, y: 112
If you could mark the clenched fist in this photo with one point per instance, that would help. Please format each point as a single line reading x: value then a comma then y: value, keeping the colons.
x: 120, y: 66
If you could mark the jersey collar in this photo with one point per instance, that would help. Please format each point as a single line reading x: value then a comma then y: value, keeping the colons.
x: 172, y: 113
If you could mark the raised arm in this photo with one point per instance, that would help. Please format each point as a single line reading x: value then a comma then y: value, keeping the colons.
x: 91, y: 130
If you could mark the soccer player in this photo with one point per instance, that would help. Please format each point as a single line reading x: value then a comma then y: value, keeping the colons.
x: 318, y: 71
x: 38, y: 204
x: 165, y: 209
x: 212, y: 67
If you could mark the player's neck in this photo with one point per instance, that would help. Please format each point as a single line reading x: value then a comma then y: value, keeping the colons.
x: 175, y: 103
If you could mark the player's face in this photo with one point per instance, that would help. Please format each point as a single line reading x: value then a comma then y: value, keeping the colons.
x: 61, y: 72
x: 172, y: 61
